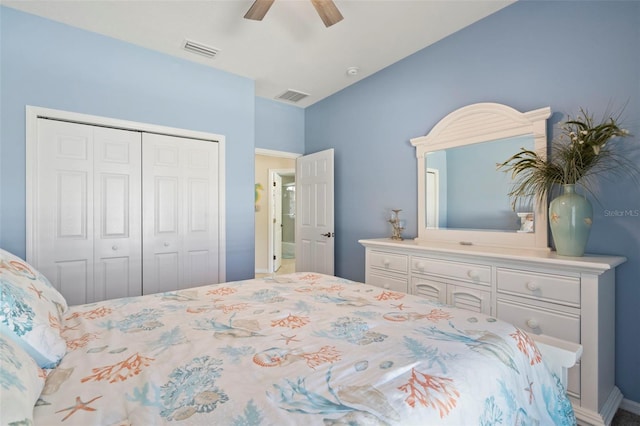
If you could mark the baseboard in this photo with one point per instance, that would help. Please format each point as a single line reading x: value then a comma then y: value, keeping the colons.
x: 262, y: 271
x: 630, y: 406
x: 588, y: 417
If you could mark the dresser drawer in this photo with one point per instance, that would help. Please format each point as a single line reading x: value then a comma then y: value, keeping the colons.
x: 538, y: 320
x: 476, y: 273
x: 553, y: 288
x: 430, y: 289
x: 388, y: 282
x: 389, y: 262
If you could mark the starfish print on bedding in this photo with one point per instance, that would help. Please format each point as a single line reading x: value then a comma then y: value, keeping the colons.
x: 36, y: 291
x: 529, y: 389
x: 80, y: 405
x: 289, y: 338
x: 400, y: 306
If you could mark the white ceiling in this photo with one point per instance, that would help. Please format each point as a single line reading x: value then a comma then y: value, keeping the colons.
x: 290, y: 49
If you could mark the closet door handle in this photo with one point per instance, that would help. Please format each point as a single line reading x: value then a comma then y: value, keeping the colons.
x: 114, y: 247
x: 166, y: 244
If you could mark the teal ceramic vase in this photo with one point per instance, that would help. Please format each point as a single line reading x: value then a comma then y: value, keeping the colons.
x: 570, y: 218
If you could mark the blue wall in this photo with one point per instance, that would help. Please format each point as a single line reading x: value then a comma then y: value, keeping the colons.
x: 279, y: 127
x: 51, y: 65
x: 532, y: 54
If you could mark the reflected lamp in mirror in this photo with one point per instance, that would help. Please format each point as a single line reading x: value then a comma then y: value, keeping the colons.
x: 462, y: 198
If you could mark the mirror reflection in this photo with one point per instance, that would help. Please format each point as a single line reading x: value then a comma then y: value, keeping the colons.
x: 463, y: 189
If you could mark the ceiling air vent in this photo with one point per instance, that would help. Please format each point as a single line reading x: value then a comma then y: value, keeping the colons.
x: 200, y: 49
x: 292, y: 96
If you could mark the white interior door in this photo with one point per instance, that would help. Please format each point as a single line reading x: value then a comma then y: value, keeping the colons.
x: 314, y: 213
x: 87, y: 215
x: 180, y: 212
x: 117, y: 212
x: 276, y: 203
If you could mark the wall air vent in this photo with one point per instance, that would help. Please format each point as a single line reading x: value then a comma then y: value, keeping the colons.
x: 292, y: 96
x: 200, y: 49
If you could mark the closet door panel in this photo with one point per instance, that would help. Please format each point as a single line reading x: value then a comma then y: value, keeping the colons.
x: 166, y: 269
x: 114, y: 275
x: 73, y: 279
x: 200, y: 208
x: 87, y: 210
x: 161, y: 213
x: 118, y: 239
x: 180, y: 213
x: 64, y: 209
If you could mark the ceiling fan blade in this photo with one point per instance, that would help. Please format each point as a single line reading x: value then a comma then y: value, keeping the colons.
x: 258, y: 9
x: 328, y: 12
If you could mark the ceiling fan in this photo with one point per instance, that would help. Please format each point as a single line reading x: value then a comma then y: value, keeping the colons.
x: 327, y: 10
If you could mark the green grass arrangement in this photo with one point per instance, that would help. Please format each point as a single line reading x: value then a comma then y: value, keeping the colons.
x: 583, y: 150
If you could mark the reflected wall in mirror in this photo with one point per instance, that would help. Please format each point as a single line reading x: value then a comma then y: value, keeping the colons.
x: 462, y: 198
x: 465, y: 191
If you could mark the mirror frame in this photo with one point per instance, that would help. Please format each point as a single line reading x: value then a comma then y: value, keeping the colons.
x: 477, y: 123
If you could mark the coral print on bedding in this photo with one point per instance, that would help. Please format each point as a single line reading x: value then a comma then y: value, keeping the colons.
x: 21, y: 381
x: 30, y: 310
x: 301, y: 349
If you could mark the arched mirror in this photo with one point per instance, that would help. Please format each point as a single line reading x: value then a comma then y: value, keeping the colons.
x: 462, y: 197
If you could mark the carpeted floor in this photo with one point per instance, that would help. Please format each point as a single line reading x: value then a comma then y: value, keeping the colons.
x: 625, y: 418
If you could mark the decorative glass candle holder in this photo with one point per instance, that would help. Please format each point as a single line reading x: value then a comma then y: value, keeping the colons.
x: 396, y: 224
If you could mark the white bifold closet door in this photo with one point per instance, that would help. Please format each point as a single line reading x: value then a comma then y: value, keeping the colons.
x: 180, y: 212
x: 122, y: 213
x: 88, y: 210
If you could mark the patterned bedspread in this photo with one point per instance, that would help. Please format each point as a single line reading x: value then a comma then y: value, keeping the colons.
x: 303, y: 349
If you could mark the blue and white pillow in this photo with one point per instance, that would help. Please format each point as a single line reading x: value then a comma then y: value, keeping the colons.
x: 30, y: 310
x: 21, y: 381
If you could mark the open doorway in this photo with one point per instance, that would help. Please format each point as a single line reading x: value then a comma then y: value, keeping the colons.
x: 282, y: 217
x: 274, y: 214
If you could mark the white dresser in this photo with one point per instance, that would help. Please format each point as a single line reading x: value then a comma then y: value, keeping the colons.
x: 568, y: 298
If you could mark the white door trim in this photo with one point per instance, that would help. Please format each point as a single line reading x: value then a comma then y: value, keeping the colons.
x: 272, y: 236
x: 33, y: 113
x: 274, y: 153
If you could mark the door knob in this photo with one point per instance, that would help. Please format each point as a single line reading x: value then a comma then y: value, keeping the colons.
x: 328, y: 234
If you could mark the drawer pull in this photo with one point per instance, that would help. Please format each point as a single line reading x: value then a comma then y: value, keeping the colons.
x: 114, y: 248
x: 532, y: 286
x: 420, y: 266
x: 473, y: 274
x: 532, y: 323
x: 386, y: 262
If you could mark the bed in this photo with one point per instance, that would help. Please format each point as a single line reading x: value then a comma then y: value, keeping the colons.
x: 303, y: 348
